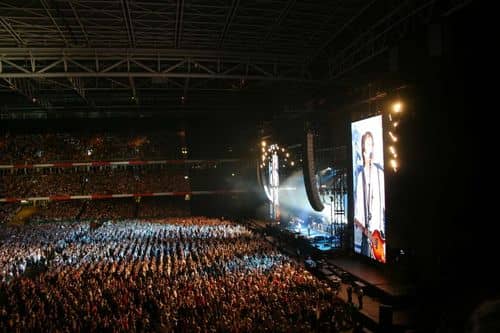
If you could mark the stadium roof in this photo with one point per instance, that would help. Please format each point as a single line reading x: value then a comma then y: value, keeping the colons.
x: 118, y: 57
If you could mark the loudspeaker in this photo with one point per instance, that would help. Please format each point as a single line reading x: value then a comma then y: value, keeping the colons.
x: 385, y: 317
x: 309, y: 170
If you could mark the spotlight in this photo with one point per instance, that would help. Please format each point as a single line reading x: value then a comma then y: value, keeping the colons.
x: 397, y: 107
x: 186, y: 177
x: 263, y: 149
x: 393, y: 137
x: 34, y: 99
x: 292, y: 163
x: 263, y: 143
x: 395, y: 124
x: 392, y: 150
x: 287, y: 155
x: 394, y: 164
x: 233, y: 174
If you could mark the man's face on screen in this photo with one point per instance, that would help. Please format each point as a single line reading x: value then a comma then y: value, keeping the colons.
x: 368, y: 149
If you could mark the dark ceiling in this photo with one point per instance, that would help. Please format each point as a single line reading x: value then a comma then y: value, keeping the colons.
x: 97, y: 58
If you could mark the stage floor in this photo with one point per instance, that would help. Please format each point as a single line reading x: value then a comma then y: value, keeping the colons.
x: 388, y: 280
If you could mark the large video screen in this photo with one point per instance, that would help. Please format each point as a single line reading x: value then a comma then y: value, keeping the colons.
x: 368, y: 188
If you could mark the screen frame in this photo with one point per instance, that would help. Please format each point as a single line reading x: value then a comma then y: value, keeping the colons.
x: 351, y: 181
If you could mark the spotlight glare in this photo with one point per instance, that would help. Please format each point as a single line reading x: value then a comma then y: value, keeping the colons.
x: 292, y: 163
x: 287, y: 155
x: 263, y: 143
x: 395, y: 124
x: 394, y: 164
x: 397, y: 107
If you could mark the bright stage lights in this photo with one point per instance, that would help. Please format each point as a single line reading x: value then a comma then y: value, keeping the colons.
x: 397, y: 107
x: 393, y: 137
x: 394, y: 164
x: 263, y: 143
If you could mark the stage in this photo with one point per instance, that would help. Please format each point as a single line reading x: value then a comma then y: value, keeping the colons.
x: 388, y: 282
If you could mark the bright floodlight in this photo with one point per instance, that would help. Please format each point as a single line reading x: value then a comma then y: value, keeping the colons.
x: 397, y: 107
x: 394, y: 164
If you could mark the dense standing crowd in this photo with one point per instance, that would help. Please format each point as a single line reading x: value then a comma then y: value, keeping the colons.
x: 175, y: 275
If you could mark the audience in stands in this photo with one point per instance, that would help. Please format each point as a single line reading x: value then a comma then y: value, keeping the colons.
x: 57, y: 211
x: 56, y: 147
x: 155, y: 207
x: 98, y: 180
x: 149, y: 207
x: 7, y: 211
x: 109, y: 209
x: 175, y: 275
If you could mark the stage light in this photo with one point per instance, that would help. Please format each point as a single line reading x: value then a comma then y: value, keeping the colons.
x: 263, y: 149
x: 287, y: 155
x: 394, y: 164
x: 397, y: 107
x: 34, y: 99
x: 263, y: 158
x: 186, y: 177
x: 392, y: 150
x: 283, y: 150
x: 263, y: 143
x: 395, y: 124
x: 233, y: 174
x: 393, y: 137
x: 292, y: 163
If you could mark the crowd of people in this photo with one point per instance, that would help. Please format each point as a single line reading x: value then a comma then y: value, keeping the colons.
x: 109, y: 209
x: 92, y: 180
x: 7, y: 211
x: 156, y: 207
x: 56, y: 147
x: 57, y: 211
x: 174, y: 275
x: 121, y: 208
